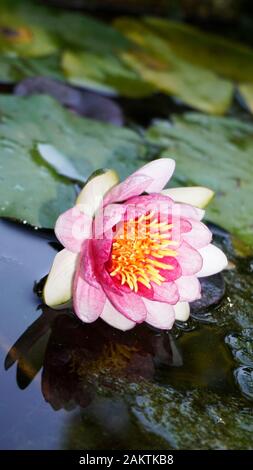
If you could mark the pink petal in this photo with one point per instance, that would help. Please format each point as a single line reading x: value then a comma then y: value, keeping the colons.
x: 199, y: 236
x: 108, y: 217
x: 189, y: 288
x: 133, y: 186
x: 166, y: 292
x: 188, y: 212
x: 159, y: 314
x: 160, y: 171
x: 86, y: 265
x: 150, y: 178
x: 175, y: 273
x: 72, y: 228
x: 157, y: 203
x: 130, y: 305
x: 189, y: 259
x: 115, y: 319
x: 88, y: 301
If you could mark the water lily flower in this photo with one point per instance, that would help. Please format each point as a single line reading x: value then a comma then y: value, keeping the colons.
x: 133, y: 251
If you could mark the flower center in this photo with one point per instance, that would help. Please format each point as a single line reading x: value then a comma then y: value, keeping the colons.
x: 140, y: 252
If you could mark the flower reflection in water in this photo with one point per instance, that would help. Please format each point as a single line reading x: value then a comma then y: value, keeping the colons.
x: 83, y: 362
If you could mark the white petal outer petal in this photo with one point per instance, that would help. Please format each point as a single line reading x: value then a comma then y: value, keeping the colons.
x: 182, y: 311
x: 197, y: 196
x: 111, y: 316
x: 58, y: 288
x: 214, y: 260
x: 93, y: 192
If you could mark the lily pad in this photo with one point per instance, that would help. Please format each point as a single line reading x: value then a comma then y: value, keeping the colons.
x: 215, y: 152
x: 246, y: 90
x: 159, y: 65
x: 225, y: 57
x: 14, y: 69
x: 20, y: 37
x: 31, y: 189
x: 104, y: 73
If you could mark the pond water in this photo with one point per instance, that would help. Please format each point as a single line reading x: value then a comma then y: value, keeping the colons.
x: 66, y: 385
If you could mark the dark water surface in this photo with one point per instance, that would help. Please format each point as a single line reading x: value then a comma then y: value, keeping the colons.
x: 69, y: 385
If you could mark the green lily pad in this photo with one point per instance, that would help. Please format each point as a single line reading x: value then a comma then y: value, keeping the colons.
x: 218, y: 153
x: 105, y: 73
x: 246, y: 90
x: 21, y: 38
x: 31, y: 189
x: 14, y: 69
x: 225, y: 57
x: 160, y: 66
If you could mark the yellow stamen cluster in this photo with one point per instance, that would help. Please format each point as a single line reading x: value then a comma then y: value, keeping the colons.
x: 138, y: 251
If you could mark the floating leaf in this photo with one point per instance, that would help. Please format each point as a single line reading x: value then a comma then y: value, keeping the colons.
x: 246, y: 90
x: 104, y: 73
x: 14, y: 69
x: 224, y: 57
x: 157, y: 64
x: 31, y: 189
x: 18, y: 37
x: 217, y: 153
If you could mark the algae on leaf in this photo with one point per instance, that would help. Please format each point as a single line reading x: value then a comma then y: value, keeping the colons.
x: 31, y: 188
x: 216, y: 152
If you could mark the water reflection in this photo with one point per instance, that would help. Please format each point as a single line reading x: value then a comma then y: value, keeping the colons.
x: 78, y: 359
